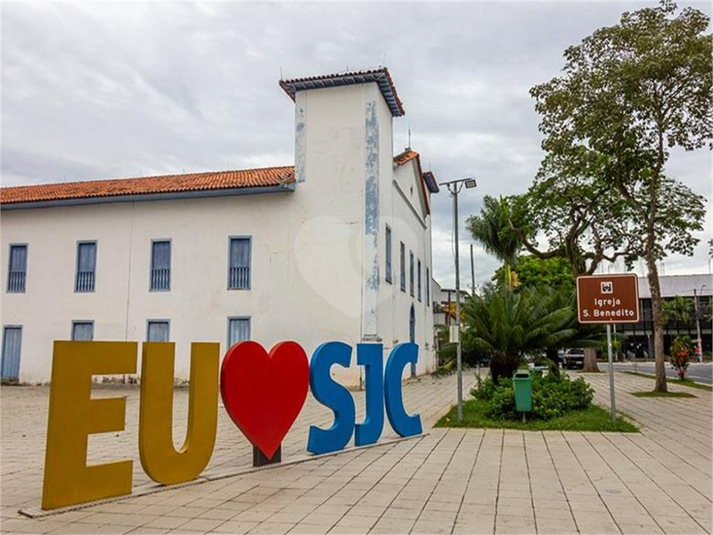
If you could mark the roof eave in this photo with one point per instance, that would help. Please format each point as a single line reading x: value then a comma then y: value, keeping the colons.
x: 142, y: 197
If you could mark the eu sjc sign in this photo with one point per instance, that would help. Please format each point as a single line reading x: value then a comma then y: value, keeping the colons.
x: 262, y: 392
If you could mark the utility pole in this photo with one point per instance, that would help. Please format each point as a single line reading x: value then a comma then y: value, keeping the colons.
x: 454, y: 187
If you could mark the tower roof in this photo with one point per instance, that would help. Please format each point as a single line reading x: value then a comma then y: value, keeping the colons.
x: 381, y: 76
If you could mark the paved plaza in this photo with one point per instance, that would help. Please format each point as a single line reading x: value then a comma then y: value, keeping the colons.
x: 447, y: 481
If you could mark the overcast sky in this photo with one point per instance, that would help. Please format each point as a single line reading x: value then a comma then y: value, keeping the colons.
x: 94, y: 91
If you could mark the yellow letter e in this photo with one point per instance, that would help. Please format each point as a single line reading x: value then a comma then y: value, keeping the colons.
x: 73, y: 415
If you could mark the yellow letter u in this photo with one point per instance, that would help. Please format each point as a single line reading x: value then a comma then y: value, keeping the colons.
x: 159, y: 458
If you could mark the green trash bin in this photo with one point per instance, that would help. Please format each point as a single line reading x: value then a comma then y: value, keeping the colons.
x: 522, y: 383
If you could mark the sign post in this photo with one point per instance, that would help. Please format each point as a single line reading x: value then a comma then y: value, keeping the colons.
x: 608, y: 299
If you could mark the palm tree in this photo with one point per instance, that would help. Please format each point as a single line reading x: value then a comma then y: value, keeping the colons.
x: 492, y: 230
x: 506, y: 325
x: 678, y: 309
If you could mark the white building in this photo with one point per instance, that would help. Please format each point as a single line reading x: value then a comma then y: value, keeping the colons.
x: 337, y: 247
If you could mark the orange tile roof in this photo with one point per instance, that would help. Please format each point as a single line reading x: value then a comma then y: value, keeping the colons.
x: 215, y: 180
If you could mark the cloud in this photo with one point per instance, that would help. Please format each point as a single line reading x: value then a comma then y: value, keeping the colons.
x: 127, y: 89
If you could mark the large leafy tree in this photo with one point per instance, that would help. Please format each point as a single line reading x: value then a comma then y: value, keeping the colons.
x: 628, y: 94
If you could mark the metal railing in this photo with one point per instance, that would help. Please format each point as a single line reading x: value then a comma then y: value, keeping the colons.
x: 85, y: 281
x: 16, y: 281
x: 160, y: 279
x: 239, y: 278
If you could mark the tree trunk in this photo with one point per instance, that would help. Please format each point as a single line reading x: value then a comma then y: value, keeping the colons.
x: 590, y: 360
x: 658, y: 321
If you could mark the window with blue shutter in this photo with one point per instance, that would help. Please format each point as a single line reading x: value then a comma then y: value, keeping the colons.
x: 157, y: 331
x: 11, y: 347
x: 387, y: 273
x: 18, y: 269
x: 419, y: 280
x: 160, y: 265
x: 402, y: 253
x: 86, y: 266
x: 238, y: 330
x: 83, y: 331
x: 428, y: 287
x: 239, y: 264
x: 410, y: 272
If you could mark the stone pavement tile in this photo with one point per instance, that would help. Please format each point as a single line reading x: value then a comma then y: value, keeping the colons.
x: 218, y: 514
x: 118, y: 519
x: 322, y: 518
x: 272, y: 528
x: 553, y: 514
x: 80, y: 529
x: 393, y: 525
x: 451, y: 505
x: 677, y: 525
x: 188, y: 512
x: 438, y: 516
x: 593, y: 505
x: 168, y: 522
x: 525, y: 523
x: 255, y: 514
x: 148, y: 531
x: 157, y: 510
x: 405, y: 514
x: 515, y: 511
x: 556, y: 526
x: 364, y: 522
x: 311, y: 529
x: 484, y: 525
x: 589, y: 522
x: 201, y: 524
x: 425, y: 527
x: 637, y: 529
x: 236, y: 528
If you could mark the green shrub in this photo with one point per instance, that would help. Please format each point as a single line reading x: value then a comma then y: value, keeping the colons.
x: 552, y: 396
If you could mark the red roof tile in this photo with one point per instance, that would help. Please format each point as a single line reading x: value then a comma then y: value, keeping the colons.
x: 216, y: 180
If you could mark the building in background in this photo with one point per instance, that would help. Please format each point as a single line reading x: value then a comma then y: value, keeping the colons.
x: 639, y: 336
x: 336, y: 247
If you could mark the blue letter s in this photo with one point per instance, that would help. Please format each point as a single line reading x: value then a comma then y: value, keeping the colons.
x: 332, y: 395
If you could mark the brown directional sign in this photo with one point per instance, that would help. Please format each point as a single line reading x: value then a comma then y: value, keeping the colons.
x: 608, y: 298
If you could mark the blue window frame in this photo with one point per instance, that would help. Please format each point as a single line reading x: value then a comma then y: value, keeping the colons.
x: 83, y: 330
x: 428, y: 287
x: 158, y: 330
x: 387, y: 273
x: 160, y: 266
x: 11, y: 349
x: 86, y: 266
x: 402, y: 253
x: 238, y: 330
x: 410, y: 272
x: 17, y: 272
x: 419, y: 279
x: 239, y: 263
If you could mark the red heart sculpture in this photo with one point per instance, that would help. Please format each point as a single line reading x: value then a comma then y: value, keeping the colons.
x: 263, y: 393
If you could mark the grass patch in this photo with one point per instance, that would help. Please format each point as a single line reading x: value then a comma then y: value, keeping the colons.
x: 662, y: 395
x: 592, y: 419
x: 683, y: 382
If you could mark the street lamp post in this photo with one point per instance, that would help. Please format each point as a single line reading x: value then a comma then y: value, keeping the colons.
x: 698, y: 323
x: 454, y: 187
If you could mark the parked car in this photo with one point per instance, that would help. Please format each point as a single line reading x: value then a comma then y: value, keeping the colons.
x: 573, y: 358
